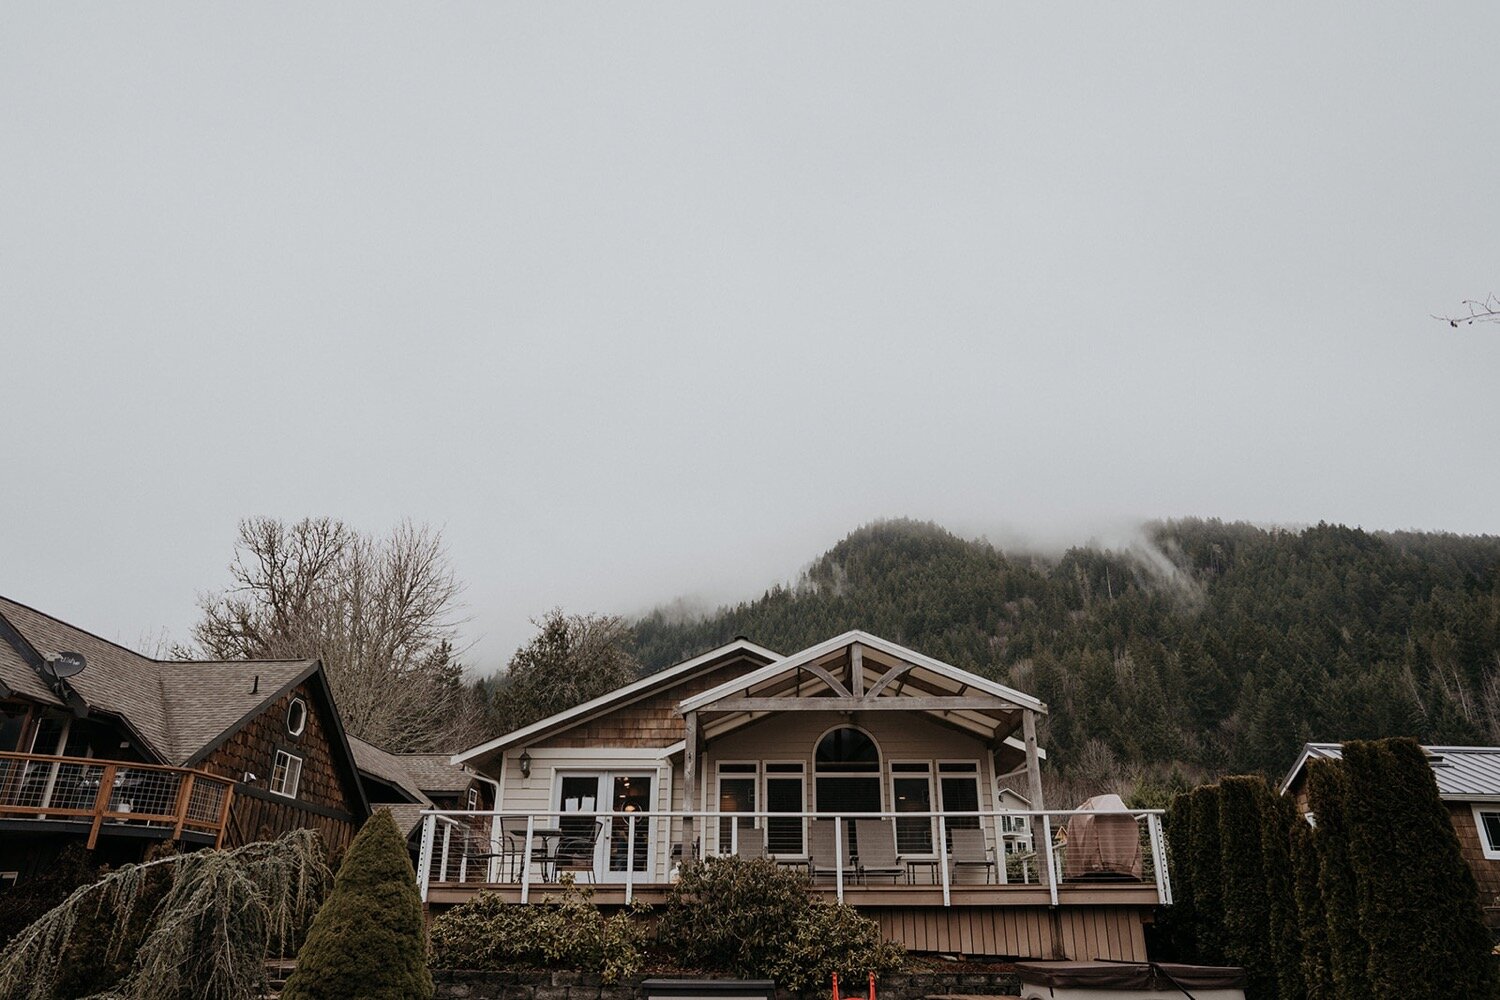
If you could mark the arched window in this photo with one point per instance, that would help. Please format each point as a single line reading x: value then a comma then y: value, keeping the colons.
x: 847, y: 751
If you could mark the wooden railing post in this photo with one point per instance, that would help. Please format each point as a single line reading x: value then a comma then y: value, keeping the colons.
x: 184, y: 796
x: 101, y: 802
x: 224, y: 813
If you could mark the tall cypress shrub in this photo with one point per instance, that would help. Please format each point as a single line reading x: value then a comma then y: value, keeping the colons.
x: 1312, y: 921
x: 1181, y: 917
x: 1277, y: 821
x: 368, y: 941
x: 1247, y: 910
x: 1348, y: 953
x: 1418, y: 903
x: 1204, y: 864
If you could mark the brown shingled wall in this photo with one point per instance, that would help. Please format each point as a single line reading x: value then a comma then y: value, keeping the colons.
x: 651, y: 722
x: 253, y: 749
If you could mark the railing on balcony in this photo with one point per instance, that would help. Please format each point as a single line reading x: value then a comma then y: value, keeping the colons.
x: 110, y: 793
x: 952, y: 851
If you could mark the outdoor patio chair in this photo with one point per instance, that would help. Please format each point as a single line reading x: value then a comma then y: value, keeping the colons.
x: 968, y: 852
x: 876, y: 840
x: 575, y: 850
x: 751, y: 843
x: 821, y: 856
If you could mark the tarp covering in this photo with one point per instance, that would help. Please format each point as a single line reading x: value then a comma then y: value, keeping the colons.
x: 1107, y: 845
x: 1130, y: 975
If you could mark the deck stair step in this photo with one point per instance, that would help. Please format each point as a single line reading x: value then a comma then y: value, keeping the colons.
x: 971, y: 996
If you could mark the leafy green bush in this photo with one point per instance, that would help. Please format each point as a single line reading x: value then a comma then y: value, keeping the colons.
x: 367, y: 940
x: 755, y: 918
x: 562, y: 931
x: 28, y: 899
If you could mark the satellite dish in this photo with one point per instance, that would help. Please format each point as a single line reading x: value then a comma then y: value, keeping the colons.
x: 66, y: 665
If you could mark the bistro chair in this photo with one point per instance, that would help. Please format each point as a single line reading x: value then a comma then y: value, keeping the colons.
x: 575, y: 851
x: 968, y: 852
x: 876, y: 840
x: 821, y: 850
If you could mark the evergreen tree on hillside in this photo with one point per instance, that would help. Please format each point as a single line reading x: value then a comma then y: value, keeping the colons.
x: 1211, y: 646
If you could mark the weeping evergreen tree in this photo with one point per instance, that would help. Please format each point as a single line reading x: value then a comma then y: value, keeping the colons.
x: 1348, y: 952
x: 1247, y: 916
x: 369, y: 941
x: 188, y: 927
x: 1418, y: 903
x: 1312, y: 921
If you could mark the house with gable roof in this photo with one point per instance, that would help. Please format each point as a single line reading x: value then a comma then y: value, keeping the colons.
x: 104, y: 747
x: 879, y: 772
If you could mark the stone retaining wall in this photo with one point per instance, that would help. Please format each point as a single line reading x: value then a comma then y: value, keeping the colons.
x: 459, y: 984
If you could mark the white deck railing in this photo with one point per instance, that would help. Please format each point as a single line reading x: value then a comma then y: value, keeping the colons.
x: 523, y: 849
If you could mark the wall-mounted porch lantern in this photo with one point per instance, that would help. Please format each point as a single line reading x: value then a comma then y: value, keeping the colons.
x: 525, y: 762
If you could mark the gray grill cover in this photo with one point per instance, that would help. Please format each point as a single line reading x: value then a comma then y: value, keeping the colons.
x: 1130, y: 975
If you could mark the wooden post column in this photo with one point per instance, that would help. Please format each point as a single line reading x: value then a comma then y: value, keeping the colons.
x: 689, y: 784
x: 1034, y: 787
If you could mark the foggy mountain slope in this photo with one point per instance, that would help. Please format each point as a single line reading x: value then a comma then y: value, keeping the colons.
x: 1208, y: 646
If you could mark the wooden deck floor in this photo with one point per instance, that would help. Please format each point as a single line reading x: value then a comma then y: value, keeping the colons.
x: 1093, y: 894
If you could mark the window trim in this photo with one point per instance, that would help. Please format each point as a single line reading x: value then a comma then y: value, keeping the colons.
x: 297, y: 779
x: 1491, y: 853
x: 297, y: 701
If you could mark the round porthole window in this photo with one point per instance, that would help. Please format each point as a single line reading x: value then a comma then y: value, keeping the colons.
x: 296, y: 717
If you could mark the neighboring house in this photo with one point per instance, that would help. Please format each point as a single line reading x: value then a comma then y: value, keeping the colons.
x: 407, y: 783
x: 869, y: 765
x: 1468, y: 780
x: 1015, y: 831
x: 102, y: 746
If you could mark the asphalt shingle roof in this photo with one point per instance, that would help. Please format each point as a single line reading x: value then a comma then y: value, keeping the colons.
x: 177, y: 707
x: 388, y: 767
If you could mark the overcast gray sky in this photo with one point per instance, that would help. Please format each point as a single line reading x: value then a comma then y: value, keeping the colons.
x: 642, y: 301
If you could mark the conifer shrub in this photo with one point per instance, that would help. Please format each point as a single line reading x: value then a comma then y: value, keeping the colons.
x: 754, y: 918
x: 1348, y: 953
x: 562, y: 931
x: 367, y: 941
x: 1205, y: 863
x: 1247, y: 917
x: 1418, y: 903
x: 1180, y: 918
x: 1312, y: 920
x: 1277, y: 822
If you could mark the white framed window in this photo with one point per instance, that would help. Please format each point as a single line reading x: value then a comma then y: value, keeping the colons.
x: 296, y: 717
x: 786, y: 792
x: 911, y: 791
x: 8, y: 880
x: 472, y: 800
x: 286, y: 774
x: 738, y: 782
x: 1487, y: 819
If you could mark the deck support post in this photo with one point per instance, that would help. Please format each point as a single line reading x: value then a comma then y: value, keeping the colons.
x: 689, y: 784
x: 424, y: 857
x: 1034, y: 788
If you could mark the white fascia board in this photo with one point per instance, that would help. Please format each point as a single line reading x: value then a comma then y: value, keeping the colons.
x: 578, y: 712
x: 885, y: 646
x: 613, y: 755
x: 1308, y: 751
x: 1011, y: 741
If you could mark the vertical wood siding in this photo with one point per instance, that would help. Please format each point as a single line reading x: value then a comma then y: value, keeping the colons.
x: 1033, y: 932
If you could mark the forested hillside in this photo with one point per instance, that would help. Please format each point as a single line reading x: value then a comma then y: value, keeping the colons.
x: 1210, y: 647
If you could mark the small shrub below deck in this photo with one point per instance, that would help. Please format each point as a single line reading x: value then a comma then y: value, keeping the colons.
x: 565, y: 930
x: 754, y: 918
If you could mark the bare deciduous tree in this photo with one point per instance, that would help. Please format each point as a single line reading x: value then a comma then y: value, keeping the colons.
x: 1479, y: 311
x: 382, y: 614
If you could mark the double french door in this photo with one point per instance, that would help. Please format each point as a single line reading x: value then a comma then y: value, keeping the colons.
x: 582, y: 794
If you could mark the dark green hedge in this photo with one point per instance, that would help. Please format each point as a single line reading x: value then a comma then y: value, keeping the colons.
x: 1418, y: 903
